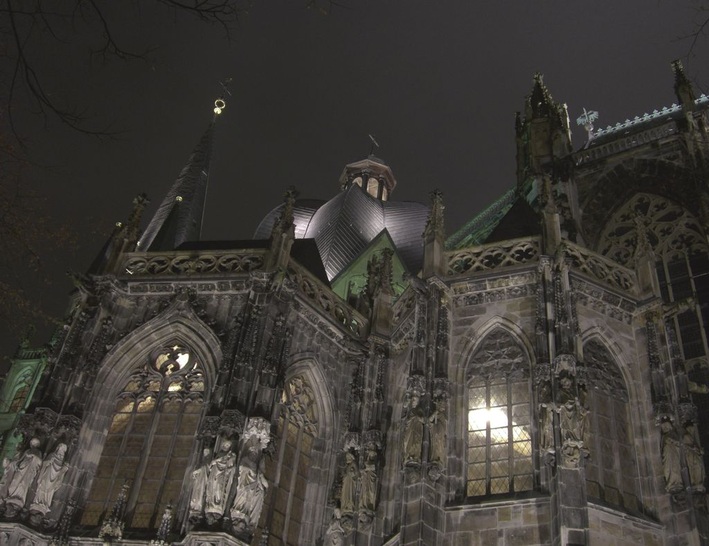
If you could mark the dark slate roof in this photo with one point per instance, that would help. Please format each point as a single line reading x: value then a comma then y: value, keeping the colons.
x: 343, y: 227
x: 179, y: 216
x: 477, y: 230
x: 303, y: 210
x: 519, y: 221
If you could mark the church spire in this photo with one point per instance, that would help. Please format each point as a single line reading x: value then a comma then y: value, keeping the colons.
x: 180, y: 215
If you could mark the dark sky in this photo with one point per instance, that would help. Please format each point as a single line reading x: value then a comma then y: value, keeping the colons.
x: 437, y: 82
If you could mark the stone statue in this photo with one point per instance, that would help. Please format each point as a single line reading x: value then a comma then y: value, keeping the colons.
x: 348, y: 498
x: 370, y: 482
x: 671, y: 457
x: 573, y: 415
x: 51, y: 477
x: 413, y: 430
x: 220, y: 474
x: 335, y: 534
x: 200, y: 477
x: 546, y: 418
x: 694, y: 455
x: 251, y: 488
x: 21, y: 473
x: 438, y: 424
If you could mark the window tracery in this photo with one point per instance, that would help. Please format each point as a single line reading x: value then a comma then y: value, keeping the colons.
x: 611, y: 471
x: 150, y: 438
x: 288, y: 469
x: 499, y: 443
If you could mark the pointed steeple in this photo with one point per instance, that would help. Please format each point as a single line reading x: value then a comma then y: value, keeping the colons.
x: 179, y: 217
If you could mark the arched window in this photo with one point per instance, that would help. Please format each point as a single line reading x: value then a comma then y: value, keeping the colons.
x: 19, y: 399
x: 499, y: 455
x: 288, y: 469
x: 611, y: 471
x: 150, y: 438
x: 373, y: 187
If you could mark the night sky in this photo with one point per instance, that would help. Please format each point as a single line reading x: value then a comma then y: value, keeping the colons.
x: 437, y: 83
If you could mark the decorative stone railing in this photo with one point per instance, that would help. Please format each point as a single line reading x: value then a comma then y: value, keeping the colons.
x: 324, y: 299
x: 492, y: 256
x: 622, y: 143
x: 599, y: 267
x: 191, y: 263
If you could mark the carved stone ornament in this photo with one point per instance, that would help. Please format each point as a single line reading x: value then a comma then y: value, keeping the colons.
x: 220, y: 474
x: 50, y: 479
x: 259, y: 428
x: 351, y: 441
x: 671, y: 457
x: 437, y: 426
x: 198, y: 488
x: 564, y: 363
x: 210, y: 427
x: 413, y: 428
x: 252, y: 485
x: 369, y: 483
x: 497, y: 355
x: 39, y: 423
x: 231, y: 422
x: 350, y: 482
x: 298, y: 398
x: 19, y: 476
x: 335, y: 534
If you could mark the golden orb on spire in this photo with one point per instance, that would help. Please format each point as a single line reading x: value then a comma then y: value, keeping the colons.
x: 219, y: 105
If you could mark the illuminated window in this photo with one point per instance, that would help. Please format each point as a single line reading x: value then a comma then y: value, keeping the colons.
x: 499, y: 443
x: 150, y: 439
x: 499, y: 439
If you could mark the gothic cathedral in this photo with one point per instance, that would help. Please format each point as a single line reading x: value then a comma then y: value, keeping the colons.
x: 349, y: 376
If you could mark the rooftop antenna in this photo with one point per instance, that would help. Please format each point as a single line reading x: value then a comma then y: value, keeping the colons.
x: 375, y: 144
x: 586, y: 121
x: 220, y: 103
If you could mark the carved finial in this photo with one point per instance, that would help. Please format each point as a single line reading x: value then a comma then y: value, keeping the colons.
x: 164, y: 529
x: 61, y: 537
x: 112, y: 528
x: 434, y: 224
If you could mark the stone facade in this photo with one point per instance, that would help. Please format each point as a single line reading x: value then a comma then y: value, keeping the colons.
x: 541, y: 380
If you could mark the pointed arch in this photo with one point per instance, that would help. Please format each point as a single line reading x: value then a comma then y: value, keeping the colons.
x: 177, y: 323
x: 612, y: 469
x: 498, y: 427
x: 148, y: 399
x: 304, y: 420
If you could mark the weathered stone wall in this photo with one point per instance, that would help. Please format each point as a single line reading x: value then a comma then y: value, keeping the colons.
x: 513, y: 523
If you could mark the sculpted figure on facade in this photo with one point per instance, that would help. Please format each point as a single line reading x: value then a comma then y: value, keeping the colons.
x: 350, y: 478
x: 50, y: 479
x: 671, y: 462
x: 414, y: 419
x: 252, y: 484
x: 438, y: 424
x: 335, y: 534
x: 200, y: 478
x: 21, y: 473
x: 573, y: 420
x: 694, y: 455
x: 546, y: 417
x: 220, y: 476
x: 370, y: 482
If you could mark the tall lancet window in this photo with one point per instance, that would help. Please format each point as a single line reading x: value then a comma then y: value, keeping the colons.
x: 150, y: 439
x: 288, y: 469
x: 611, y: 469
x: 499, y: 457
